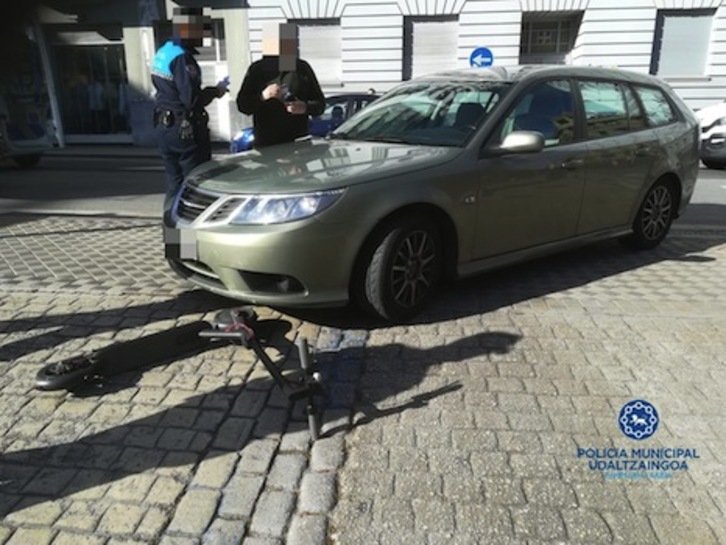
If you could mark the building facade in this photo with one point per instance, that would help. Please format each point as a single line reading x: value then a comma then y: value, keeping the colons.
x: 98, y: 53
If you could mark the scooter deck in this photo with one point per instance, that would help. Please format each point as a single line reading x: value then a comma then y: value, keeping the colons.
x: 156, y: 348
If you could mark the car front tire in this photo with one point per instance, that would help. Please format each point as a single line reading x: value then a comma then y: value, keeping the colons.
x: 402, y: 268
x: 654, y: 217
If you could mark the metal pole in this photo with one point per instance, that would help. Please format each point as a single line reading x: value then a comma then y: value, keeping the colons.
x: 49, y: 81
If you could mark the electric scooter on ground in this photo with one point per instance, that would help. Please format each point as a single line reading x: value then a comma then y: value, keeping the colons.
x: 235, y: 325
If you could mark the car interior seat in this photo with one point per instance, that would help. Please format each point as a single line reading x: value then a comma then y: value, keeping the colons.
x: 468, y: 115
x: 544, y: 110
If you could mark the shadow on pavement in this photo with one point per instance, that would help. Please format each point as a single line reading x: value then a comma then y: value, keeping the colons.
x: 489, y: 291
x: 55, y: 472
x: 76, y: 325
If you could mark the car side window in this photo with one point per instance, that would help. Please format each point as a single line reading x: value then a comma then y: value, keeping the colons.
x: 657, y: 108
x: 334, y: 109
x: 547, y: 108
x: 606, y: 113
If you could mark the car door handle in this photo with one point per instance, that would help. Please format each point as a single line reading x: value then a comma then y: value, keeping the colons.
x: 572, y: 164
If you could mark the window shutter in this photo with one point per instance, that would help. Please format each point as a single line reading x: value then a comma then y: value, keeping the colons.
x: 320, y: 46
x: 434, y: 46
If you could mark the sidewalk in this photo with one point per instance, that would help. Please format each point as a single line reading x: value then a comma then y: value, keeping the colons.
x: 462, y: 427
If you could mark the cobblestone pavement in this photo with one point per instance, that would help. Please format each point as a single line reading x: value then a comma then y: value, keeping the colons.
x: 463, y: 427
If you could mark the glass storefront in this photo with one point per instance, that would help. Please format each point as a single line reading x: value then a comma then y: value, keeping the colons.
x: 93, y: 87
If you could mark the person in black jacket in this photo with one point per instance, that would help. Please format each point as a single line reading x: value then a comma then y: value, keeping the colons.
x: 179, y: 114
x: 280, y: 91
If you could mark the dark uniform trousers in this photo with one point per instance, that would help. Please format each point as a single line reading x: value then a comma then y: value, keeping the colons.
x: 181, y: 155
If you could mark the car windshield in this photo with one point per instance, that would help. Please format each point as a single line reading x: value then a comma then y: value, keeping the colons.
x: 430, y: 113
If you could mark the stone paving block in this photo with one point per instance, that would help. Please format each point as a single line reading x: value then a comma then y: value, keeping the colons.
x: 416, y: 485
x: 133, y: 488
x: 675, y: 529
x: 32, y: 512
x: 628, y: 528
x: 224, y: 532
x: 240, y: 495
x: 317, y: 492
x: 538, y: 522
x: 49, y: 481
x: 490, y: 463
x: 257, y: 540
x: 215, y: 469
x: 194, y: 512
x: 26, y: 536
x: 586, y: 526
x: 380, y: 483
x: 491, y: 523
x: 256, y: 456
x: 152, y: 524
x: 327, y: 454
x: 121, y: 518
x: 551, y: 492
x: 233, y: 434
x: 287, y: 471
x: 307, y: 530
x: 67, y: 538
x: 165, y: 491
x: 274, y: 508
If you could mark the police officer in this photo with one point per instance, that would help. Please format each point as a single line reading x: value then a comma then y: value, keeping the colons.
x: 179, y: 114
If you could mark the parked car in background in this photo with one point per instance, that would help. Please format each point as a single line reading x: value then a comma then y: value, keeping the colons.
x: 338, y: 108
x: 444, y: 176
x: 713, y: 135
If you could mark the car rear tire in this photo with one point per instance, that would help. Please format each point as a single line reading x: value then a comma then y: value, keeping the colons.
x: 402, y: 268
x: 654, y: 217
x: 27, y: 161
x: 716, y: 165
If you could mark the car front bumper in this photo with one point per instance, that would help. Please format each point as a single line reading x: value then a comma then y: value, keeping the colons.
x: 713, y: 148
x: 300, y: 264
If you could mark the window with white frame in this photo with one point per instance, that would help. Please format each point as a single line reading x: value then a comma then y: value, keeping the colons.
x: 429, y: 45
x: 680, y: 44
x: 321, y: 43
x: 548, y: 38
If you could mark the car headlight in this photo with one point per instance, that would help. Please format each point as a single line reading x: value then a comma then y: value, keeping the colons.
x: 267, y: 209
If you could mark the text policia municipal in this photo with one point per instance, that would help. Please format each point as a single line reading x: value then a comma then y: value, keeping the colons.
x: 638, y: 459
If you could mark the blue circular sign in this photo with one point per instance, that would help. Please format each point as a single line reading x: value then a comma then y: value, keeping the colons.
x: 481, y: 57
x: 638, y: 419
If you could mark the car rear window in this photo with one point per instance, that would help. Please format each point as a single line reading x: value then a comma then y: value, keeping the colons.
x: 658, y: 109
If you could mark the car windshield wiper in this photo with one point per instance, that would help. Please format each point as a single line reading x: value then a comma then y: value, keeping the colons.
x: 339, y: 136
x: 389, y: 139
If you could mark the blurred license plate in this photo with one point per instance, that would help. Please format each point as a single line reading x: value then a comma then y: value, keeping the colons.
x: 180, y: 243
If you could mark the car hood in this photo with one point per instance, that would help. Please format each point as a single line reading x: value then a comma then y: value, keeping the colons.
x: 706, y: 116
x: 314, y: 165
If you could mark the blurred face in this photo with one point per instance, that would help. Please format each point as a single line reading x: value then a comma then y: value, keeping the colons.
x: 189, y: 26
x: 282, y: 40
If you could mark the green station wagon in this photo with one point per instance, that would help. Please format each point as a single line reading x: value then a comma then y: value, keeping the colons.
x: 445, y: 176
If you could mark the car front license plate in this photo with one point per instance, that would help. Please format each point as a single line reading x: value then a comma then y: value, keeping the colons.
x: 180, y: 243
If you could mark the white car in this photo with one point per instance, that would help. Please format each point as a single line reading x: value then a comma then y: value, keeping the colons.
x: 713, y: 135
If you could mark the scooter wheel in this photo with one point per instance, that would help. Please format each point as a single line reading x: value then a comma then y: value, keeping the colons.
x: 66, y: 373
x: 228, y: 317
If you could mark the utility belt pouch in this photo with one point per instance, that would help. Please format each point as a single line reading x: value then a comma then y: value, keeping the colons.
x: 186, y: 130
x: 164, y: 117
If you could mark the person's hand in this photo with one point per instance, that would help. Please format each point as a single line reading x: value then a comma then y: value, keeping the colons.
x: 272, y: 91
x: 221, y: 90
x: 296, y: 107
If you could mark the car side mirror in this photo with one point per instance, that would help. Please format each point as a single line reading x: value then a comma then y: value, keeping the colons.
x: 518, y: 142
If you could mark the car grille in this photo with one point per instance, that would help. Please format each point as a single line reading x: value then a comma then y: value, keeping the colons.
x: 193, y: 202
x: 226, y: 209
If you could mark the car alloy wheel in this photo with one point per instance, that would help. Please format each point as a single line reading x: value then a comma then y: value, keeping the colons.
x: 404, y: 268
x: 654, y: 217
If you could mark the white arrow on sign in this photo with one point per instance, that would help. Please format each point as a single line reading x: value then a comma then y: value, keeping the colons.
x: 480, y: 59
